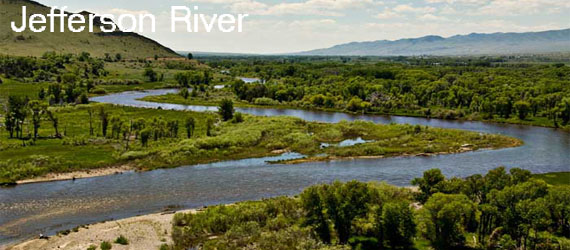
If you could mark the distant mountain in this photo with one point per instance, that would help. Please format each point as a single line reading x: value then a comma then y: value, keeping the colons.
x: 472, y: 44
x: 27, y: 43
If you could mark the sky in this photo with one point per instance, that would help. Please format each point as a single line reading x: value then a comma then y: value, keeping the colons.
x: 275, y: 26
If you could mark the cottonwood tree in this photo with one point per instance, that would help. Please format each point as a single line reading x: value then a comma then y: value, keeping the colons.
x: 104, y: 117
x: 226, y: 109
x: 37, y: 109
x: 190, y: 125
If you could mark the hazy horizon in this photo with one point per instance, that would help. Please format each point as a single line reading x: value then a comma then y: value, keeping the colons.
x: 276, y: 27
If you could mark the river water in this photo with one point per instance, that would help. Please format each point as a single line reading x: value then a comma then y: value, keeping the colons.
x: 27, y: 210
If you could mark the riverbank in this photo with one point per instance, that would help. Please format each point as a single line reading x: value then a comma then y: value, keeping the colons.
x: 142, y: 232
x: 78, y: 174
x: 213, y: 100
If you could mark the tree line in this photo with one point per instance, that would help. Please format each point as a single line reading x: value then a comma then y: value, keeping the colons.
x: 457, y: 91
x: 498, y: 210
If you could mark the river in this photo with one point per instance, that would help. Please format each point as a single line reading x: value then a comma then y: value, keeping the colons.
x: 27, y: 210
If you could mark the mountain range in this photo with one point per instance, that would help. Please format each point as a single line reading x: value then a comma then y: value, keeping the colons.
x: 473, y: 44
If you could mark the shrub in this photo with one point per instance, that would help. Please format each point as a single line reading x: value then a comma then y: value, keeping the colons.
x: 92, y: 247
x: 105, y: 245
x: 98, y: 91
x: 238, y: 118
x: 264, y: 101
x: 122, y: 240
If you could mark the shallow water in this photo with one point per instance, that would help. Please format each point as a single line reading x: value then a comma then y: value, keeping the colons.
x: 27, y: 210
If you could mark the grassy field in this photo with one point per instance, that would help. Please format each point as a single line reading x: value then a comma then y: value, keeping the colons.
x: 255, y: 136
x: 555, y: 178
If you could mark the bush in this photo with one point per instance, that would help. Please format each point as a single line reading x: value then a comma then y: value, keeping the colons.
x: 92, y: 247
x: 238, y: 118
x: 226, y: 109
x: 184, y: 93
x: 264, y: 101
x: 105, y: 245
x: 98, y: 91
x: 122, y: 240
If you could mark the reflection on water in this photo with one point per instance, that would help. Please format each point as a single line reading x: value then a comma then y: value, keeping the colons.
x: 346, y: 143
x: 27, y: 210
x: 250, y: 80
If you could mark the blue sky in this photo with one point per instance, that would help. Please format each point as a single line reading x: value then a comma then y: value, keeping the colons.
x: 289, y: 26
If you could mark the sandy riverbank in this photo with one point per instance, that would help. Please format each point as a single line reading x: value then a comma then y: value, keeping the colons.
x: 78, y: 174
x: 143, y: 232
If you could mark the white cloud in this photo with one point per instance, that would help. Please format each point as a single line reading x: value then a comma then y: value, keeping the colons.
x: 387, y: 14
x: 431, y: 17
x: 405, y: 8
x: 522, y: 7
x: 309, y: 7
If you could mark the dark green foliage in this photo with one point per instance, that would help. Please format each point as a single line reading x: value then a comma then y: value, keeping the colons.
x: 190, y: 125
x: 534, y: 93
x: 518, y: 213
x: 16, y: 114
x: 145, y: 136
x: 190, y: 56
x: 151, y: 75
x: 523, y: 109
x: 105, y: 245
x: 226, y: 109
x: 398, y: 225
x: 184, y: 93
x: 104, y: 117
x: 209, y: 126
x: 315, y: 215
x: 446, y: 217
x: 427, y: 184
x: 238, y: 118
x: 121, y: 240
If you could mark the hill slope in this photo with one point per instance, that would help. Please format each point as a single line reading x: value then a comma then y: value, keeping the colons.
x: 27, y: 43
x: 472, y: 44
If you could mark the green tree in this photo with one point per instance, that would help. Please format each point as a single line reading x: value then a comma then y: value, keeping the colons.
x: 150, y: 74
x: 190, y: 56
x: 564, y: 108
x: 209, y: 126
x: 54, y: 121
x: 445, y: 217
x: 104, y: 117
x: 558, y: 202
x: 17, y: 112
x: 313, y: 204
x: 398, y: 224
x: 184, y: 93
x: 37, y: 109
x: 523, y: 109
x: 226, y: 109
x: 355, y: 104
x: 145, y: 135
x: 190, y: 125
x: 344, y: 203
x: 428, y: 184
